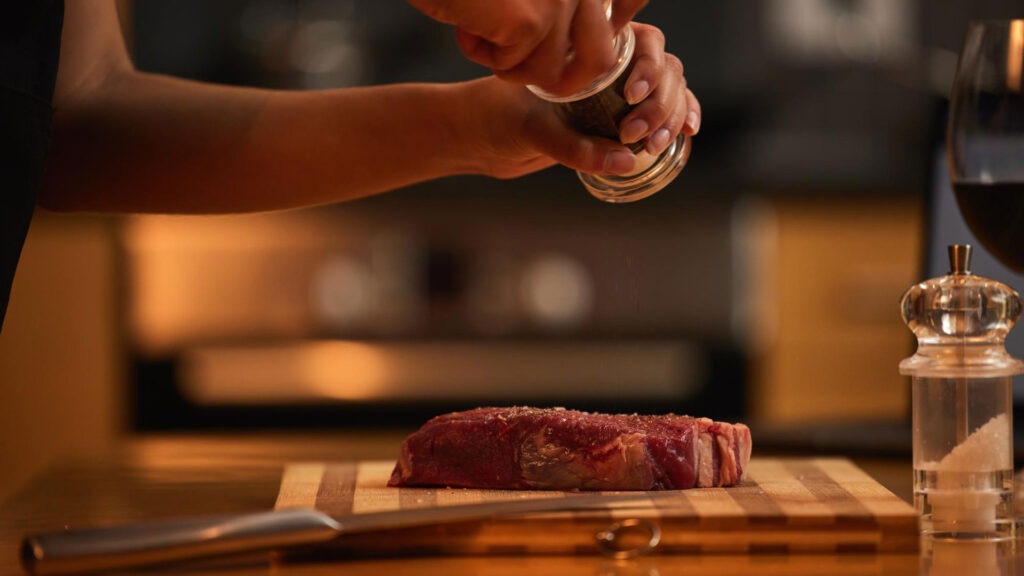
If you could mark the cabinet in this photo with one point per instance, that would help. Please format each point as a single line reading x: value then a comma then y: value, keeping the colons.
x: 825, y: 279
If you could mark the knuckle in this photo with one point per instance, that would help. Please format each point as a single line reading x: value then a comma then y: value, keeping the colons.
x: 656, y: 33
x: 523, y: 32
x: 661, y: 109
x: 674, y: 64
x: 655, y: 111
x: 642, y: 28
x: 650, y: 35
x: 674, y: 123
x: 587, y: 157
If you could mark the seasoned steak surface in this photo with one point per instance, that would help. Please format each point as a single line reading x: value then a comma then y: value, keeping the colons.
x: 558, y: 449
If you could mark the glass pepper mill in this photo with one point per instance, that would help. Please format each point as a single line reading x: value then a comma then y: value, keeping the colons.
x: 962, y: 402
x: 598, y: 109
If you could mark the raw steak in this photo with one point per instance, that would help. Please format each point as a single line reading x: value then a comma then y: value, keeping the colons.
x: 558, y: 449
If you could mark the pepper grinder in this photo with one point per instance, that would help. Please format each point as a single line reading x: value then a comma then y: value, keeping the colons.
x: 961, y: 380
x: 598, y: 109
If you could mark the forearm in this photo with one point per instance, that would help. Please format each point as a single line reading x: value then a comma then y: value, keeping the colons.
x: 148, y: 143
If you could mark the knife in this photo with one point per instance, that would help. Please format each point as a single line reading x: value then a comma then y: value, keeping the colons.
x: 89, y: 550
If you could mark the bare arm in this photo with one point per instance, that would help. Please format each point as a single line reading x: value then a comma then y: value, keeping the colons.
x: 157, y: 144
x: 129, y: 141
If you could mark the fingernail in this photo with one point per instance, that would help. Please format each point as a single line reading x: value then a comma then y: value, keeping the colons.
x: 693, y: 120
x: 633, y: 131
x: 658, y: 141
x: 637, y: 92
x: 618, y: 162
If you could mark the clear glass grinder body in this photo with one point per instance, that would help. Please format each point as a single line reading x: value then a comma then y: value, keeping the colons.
x: 597, y: 110
x: 961, y: 379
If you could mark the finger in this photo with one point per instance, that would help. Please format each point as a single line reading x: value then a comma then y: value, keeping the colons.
x: 504, y: 50
x: 660, y: 116
x: 649, y: 63
x: 545, y: 65
x: 475, y: 48
x: 593, y: 45
x: 624, y: 10
x: 693, y: 114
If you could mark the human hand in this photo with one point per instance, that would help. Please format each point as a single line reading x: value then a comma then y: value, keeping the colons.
x: 517, y: 133
x: 657, y: 87
x: 529, y: 41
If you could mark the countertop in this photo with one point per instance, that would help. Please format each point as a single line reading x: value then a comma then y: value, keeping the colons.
x: 163, y: 476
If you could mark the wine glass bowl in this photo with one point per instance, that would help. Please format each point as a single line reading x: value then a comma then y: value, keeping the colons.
x: 985, y: 137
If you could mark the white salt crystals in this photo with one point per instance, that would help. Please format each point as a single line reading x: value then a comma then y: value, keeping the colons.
x: 983, y: 451
x: 970, y: 488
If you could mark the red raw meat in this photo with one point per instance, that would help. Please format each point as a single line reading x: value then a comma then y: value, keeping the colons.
x: 558, y: 449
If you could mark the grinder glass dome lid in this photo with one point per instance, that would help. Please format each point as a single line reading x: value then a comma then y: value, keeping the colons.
x: 961, y: 322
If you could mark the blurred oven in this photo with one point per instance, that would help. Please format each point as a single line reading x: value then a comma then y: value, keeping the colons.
x: 468, y: 291
x: 392, y: 308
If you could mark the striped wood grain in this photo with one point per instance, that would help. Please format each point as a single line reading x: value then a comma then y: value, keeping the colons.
x: 784, y: 505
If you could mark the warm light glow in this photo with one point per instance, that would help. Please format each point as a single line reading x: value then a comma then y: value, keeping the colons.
x: 338, y: 370
x: 557, y: 290
x: 404, y: 371
x: 193, y: 279
x: 344, y: 370
x: 1015, y: 56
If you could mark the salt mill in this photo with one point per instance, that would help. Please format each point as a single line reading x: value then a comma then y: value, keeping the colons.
x: 598, y: 109
x: 961, y: 379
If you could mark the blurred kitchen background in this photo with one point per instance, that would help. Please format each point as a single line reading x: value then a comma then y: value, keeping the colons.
x: 762, y: 285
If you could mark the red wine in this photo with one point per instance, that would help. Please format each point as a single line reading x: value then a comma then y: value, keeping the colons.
x: 995, y: 213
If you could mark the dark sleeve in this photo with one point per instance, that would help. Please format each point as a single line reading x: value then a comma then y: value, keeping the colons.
x: 29, y: 52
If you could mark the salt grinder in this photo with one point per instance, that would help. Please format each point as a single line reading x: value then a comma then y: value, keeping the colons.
x: 961, y: 379
x: 597, y: 110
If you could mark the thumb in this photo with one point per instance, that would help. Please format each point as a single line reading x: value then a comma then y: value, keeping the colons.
x: 475, y: 48
x: 499, y: 58
x: 550, y: 135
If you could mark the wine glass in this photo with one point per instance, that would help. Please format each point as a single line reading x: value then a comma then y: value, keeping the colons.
x: 985, y: 137
x: 985, y: 158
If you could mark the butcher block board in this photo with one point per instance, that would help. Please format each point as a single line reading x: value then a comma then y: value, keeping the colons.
x: 783, y: 506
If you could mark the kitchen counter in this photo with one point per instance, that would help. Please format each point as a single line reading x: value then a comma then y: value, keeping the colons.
x: 167, y: 476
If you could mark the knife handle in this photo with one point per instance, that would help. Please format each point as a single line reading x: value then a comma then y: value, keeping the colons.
x: 151, y: 543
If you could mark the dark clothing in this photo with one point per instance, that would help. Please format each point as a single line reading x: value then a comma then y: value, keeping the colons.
x: 29, y: 51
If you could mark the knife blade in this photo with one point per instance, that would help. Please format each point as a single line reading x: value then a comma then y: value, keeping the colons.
x: 90, y: 550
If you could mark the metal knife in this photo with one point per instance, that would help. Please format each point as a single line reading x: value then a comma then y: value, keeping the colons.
x: 89, y: 550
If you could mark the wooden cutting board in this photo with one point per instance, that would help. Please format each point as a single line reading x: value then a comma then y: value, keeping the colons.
x: 783, y: 506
